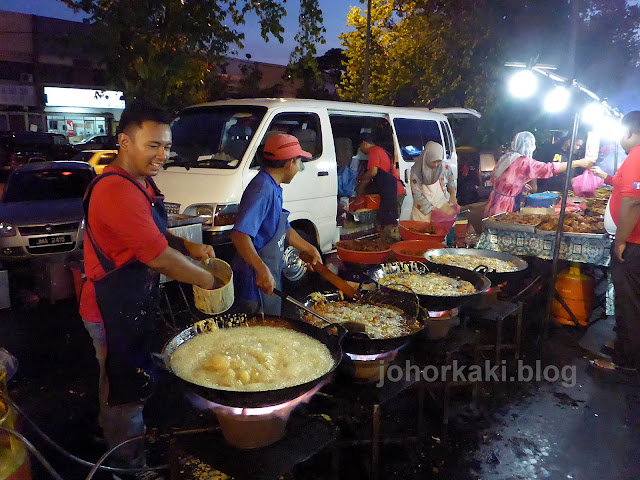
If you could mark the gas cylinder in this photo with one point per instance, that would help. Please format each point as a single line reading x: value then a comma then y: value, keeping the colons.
x: 577, y: 290
x: 14, y: 459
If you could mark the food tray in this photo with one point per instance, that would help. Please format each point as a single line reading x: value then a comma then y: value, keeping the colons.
x: 599, y: 236
x: 493, y: 224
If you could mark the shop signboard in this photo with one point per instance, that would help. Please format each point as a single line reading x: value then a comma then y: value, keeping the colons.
x: 70, y: 131
x: 83, y: 97
x: 13, y: 94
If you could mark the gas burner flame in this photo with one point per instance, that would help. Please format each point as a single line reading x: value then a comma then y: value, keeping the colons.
x: 282, y: 410
x: 373, y: 357
x: 443, y: 313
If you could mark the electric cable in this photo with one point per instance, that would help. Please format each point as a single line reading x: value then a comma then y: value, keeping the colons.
x: 34, y: 452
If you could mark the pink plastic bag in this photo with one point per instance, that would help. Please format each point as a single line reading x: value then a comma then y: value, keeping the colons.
x: 585, y: 185
x: 443, y: 222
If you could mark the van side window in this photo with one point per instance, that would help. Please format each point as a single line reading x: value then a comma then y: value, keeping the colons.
x: 448, y: 143
x: 304, y: 126
x: 414, y: 134
x: 347, y: 126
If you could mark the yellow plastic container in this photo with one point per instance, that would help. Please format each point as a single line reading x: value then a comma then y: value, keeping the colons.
x: 577, y: 290
x: 14, y: 460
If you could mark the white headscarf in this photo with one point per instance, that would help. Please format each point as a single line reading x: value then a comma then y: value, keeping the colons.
x: 522, y: 145
x: 422, y: 169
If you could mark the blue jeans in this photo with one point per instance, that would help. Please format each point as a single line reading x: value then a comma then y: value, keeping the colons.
x: 121, y: 422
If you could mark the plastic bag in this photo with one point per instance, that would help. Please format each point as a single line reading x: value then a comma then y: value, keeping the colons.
x: 346, y: 182
x: 585, y: 185
x: 8, y: 362
x: 442, y: 221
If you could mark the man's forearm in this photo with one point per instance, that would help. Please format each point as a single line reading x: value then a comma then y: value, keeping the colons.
x: 628, y: 218
x: 178, y: 267
x: 296, y: 241
x: 177, y: 243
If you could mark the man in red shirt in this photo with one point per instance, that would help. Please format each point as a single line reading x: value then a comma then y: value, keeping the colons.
x: 126, y: 247
x: 382, y: 178
x: 624, y: 207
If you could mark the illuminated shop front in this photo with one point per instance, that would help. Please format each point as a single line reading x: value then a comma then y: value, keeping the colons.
x: 81, y: 113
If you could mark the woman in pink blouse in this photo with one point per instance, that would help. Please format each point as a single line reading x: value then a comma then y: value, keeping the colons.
x: 515, y: 168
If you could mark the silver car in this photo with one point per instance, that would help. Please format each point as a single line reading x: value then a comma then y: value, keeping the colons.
x: 41, y: 210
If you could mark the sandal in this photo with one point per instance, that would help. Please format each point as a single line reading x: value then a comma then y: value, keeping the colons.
x: 609, y: 366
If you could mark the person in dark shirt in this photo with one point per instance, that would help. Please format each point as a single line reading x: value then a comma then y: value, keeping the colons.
x: 560, y: 154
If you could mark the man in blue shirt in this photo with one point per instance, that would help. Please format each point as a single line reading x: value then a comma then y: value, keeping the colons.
x: 262, y: 229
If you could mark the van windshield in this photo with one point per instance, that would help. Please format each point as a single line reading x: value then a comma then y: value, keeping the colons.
x: 213, y: 136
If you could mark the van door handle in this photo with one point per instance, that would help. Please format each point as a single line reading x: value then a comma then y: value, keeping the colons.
x: 323, y: 173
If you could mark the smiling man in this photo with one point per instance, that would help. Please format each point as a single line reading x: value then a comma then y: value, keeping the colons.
x: 126, y: 247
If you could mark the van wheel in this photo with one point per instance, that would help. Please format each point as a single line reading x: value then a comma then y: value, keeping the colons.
x: 295, y: 271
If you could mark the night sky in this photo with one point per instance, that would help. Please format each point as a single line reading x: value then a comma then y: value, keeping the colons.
x: 335, y: 18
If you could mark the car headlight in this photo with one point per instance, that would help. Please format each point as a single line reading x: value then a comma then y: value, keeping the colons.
x: 225, y: 214
x: 7, y: 230
x: 205, y: 212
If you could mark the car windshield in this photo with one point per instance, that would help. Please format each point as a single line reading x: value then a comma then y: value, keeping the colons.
x: 213, y: 137
x: 83, y: 156
x: 55, y: 184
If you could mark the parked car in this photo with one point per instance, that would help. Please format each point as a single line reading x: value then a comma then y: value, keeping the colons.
x: 97, y: 142
x: 98, y: 159
x: 41, y: 209
x: 28, y: 147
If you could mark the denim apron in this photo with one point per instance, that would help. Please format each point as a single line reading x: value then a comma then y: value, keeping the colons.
x: 386, y: 185
x: 244, y: 276
x: 125, y: 297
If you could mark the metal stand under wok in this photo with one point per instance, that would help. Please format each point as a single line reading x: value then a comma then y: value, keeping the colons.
x: 306, y: 436
x: 360, y: 407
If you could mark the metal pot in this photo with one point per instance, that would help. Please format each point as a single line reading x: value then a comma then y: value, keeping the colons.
x: 361, y: 344
x: 262, y: 398
x: 495, y: 277
x: 431, y: 302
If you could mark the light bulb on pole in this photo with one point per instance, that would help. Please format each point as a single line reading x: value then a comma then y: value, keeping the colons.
x: 523, y: 84
x: 557, y: 100
x: 593, y: 113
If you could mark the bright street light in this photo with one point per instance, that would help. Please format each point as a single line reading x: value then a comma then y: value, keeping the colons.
x: 523, y: 84
x: 557, y: 100
x: 609, y: 128
x: 593, y: 113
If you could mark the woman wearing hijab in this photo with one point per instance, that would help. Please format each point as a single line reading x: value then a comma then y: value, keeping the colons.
x: 515, y: 168
x: 433, y: 185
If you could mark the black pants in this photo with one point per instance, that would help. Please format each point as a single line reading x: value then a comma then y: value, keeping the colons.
x: 626, y: 281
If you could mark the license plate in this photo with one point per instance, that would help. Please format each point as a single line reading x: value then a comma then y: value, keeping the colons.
x: 50, y: 240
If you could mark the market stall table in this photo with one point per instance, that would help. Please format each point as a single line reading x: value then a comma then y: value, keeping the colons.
x: 592, y: 250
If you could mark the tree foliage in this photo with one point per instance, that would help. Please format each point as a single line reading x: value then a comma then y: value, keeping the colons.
x: 167, y: 50
x: 452, y: 52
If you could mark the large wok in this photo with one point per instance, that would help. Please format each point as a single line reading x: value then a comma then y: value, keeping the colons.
x: 263, y: 398
x: 430, y: 302
x: 495, y: 277
x: 359, y: 343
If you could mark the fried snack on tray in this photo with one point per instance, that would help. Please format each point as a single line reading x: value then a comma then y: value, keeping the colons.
x: 519, y: 218
x: 575, y: 223
x: 371, y: 245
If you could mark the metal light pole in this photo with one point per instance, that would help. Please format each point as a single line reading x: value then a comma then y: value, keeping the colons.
x: 366, y: 55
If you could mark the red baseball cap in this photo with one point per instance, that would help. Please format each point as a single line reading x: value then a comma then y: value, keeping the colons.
x: 283, y: 147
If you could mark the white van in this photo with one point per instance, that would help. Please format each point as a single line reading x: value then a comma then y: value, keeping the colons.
x: 213, y: 158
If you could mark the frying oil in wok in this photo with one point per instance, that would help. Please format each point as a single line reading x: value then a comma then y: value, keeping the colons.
x: 251, y: 359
